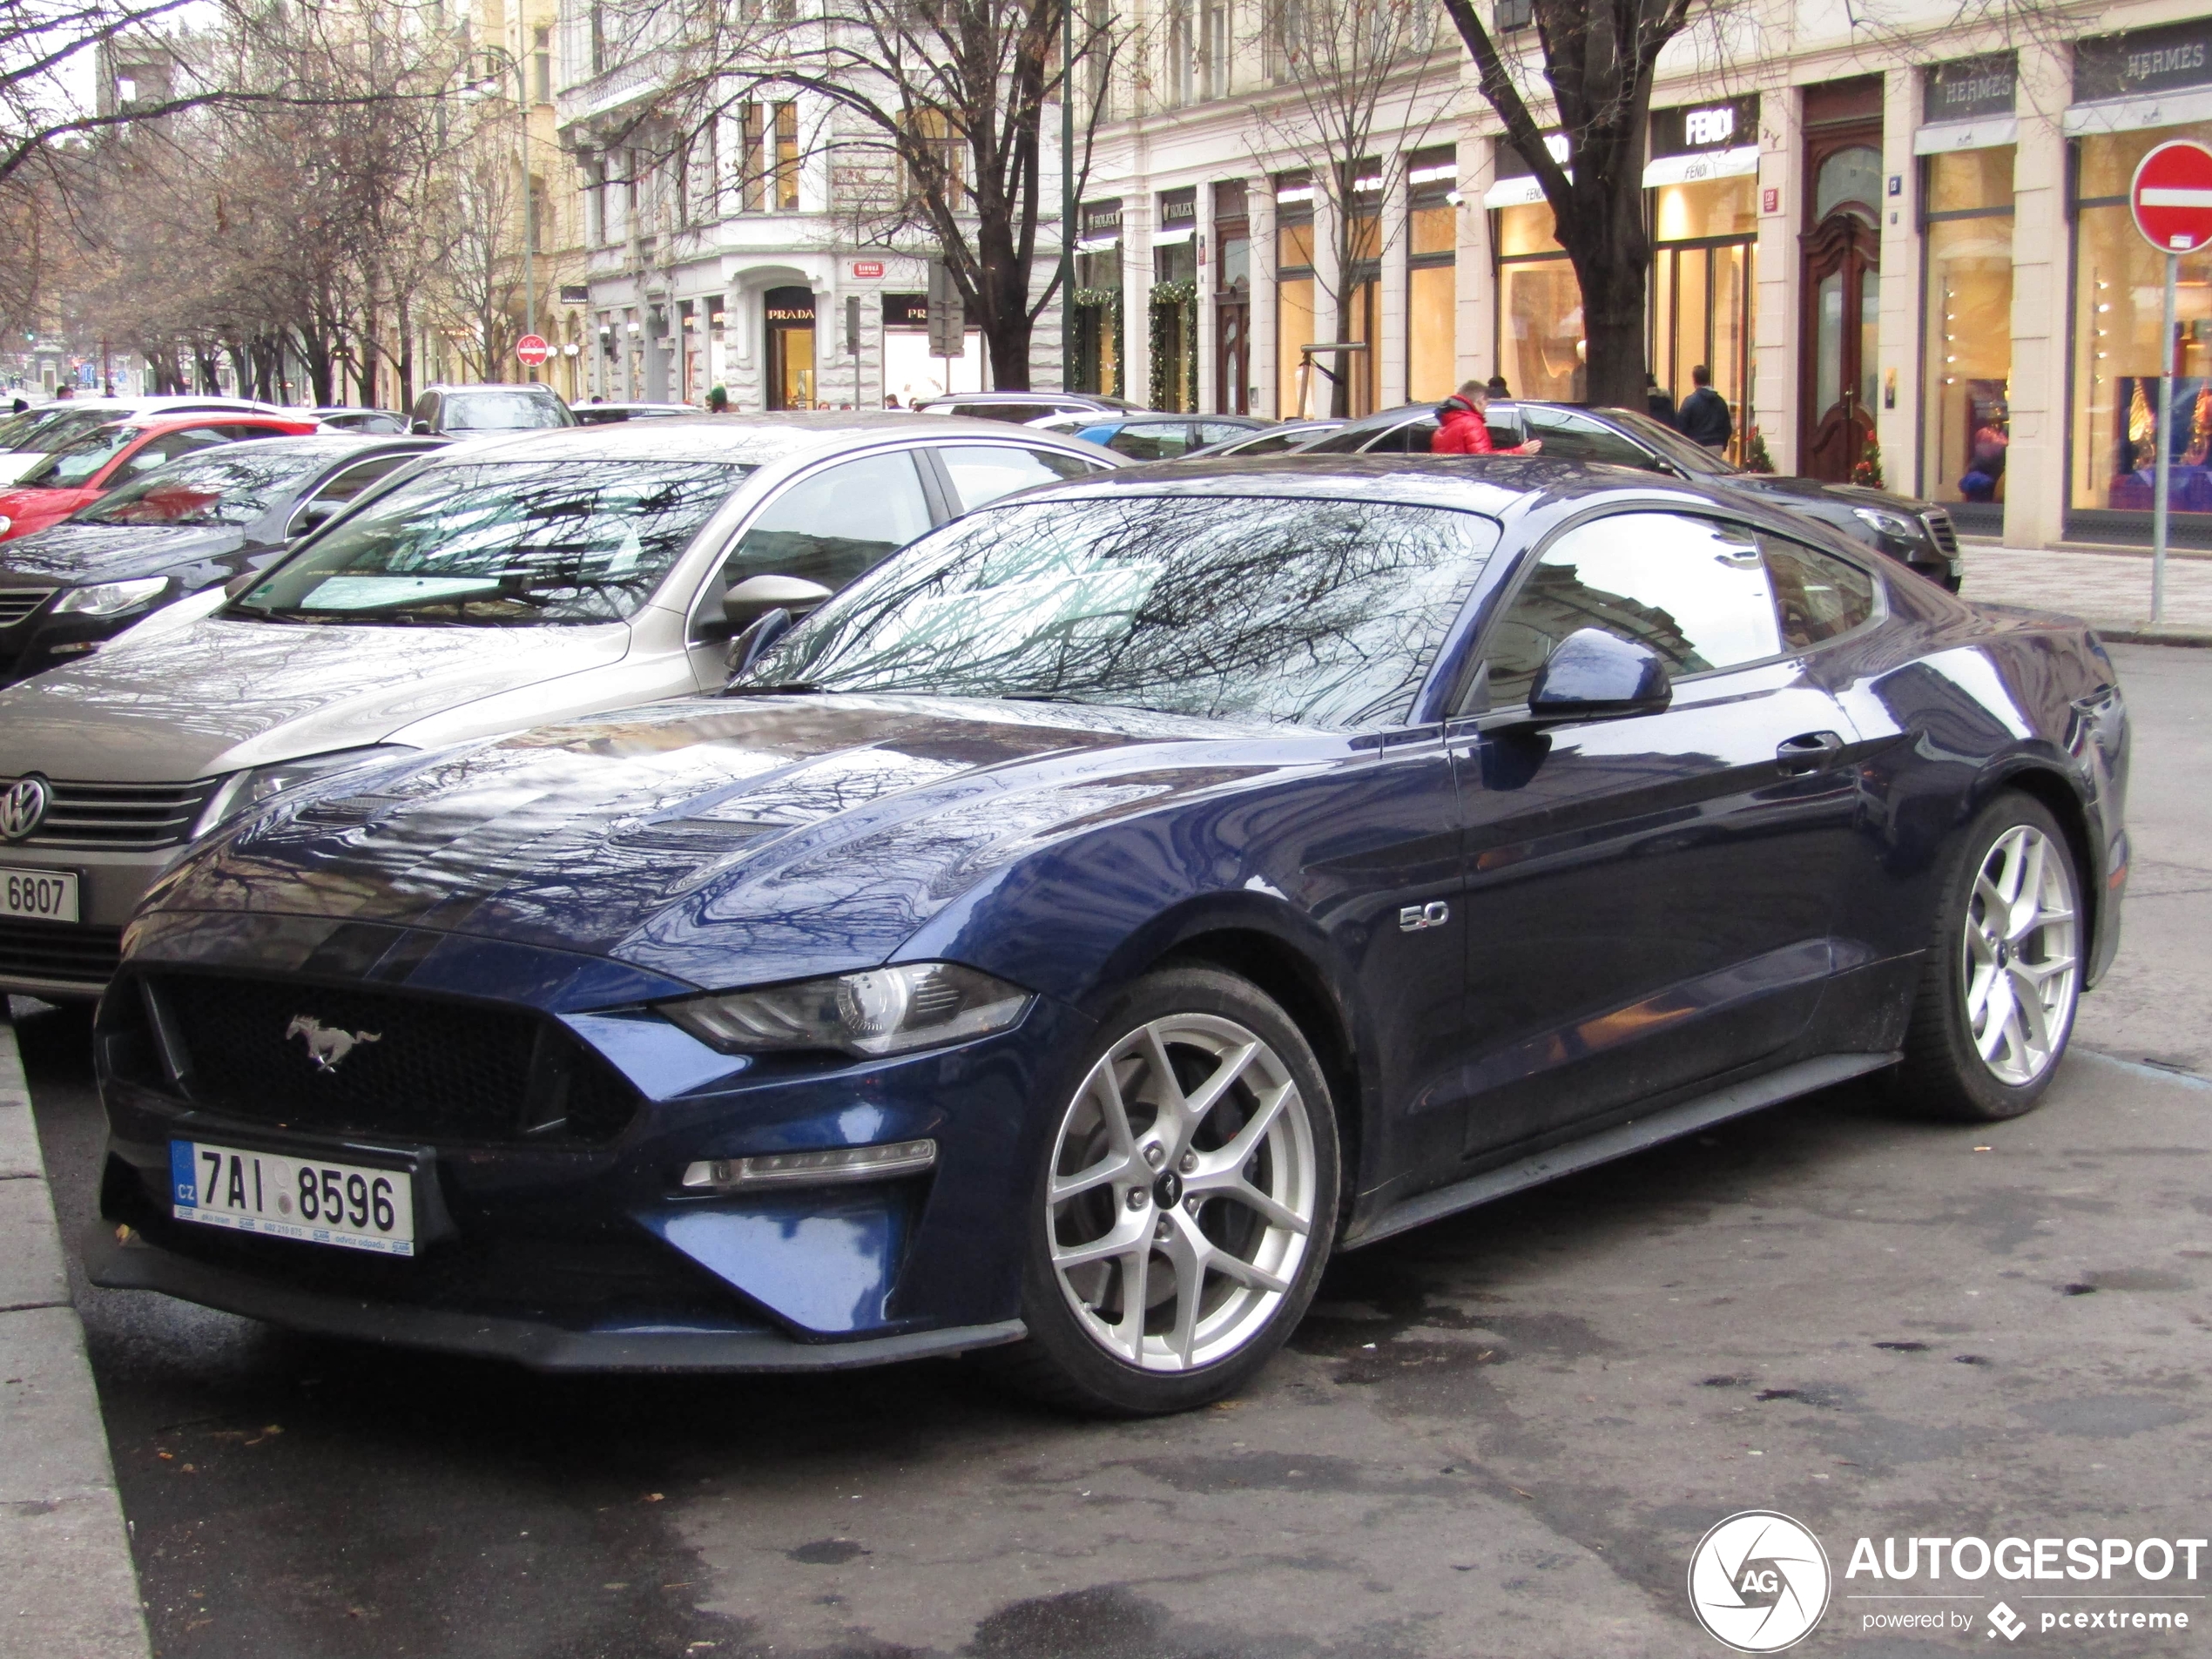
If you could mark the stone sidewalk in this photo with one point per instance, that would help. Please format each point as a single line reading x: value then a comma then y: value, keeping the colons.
x: 67, y: 1586
x: 2109, y: 589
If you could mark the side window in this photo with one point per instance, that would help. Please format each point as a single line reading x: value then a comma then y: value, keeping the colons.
x: 241, y: 433
x: 426, y: 408
x: 1219, y: 431
x: 832, y: 526
x: 350, y: 482
x: 1694, y: 590
x: 1573, y: 437
x: 1151, y: 440
x: 983, y: 472
x: 1817, y: 595
x: 167, y: 447
x: 1414, y: 438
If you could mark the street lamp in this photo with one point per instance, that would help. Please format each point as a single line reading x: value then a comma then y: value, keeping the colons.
x: 522, y: 112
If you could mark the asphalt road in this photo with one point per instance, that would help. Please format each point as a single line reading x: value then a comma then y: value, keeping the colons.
x: 1499, y: 1435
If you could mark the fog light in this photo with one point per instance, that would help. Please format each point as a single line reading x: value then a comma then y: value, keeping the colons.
x: 815, y: 1168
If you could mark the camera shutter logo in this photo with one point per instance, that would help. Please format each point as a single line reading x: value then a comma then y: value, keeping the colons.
x: 1759, y: 1581
x: 22, y: 808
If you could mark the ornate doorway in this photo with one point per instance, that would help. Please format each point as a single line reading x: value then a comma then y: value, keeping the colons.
x: 1843, y: 304
x: 789, y: 314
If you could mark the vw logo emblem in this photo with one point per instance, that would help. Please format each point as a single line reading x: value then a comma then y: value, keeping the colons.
x: 22, y: 808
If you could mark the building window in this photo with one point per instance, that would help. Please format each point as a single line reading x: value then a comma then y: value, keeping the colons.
x: 1431, y: 250
x: 1232, y: 280
x: 1214, y: 51
x: 1702, y: 292
x: 2119, y: 284
x: 1295, y: 395
x: 1362, y: 316
x: 541, y: 62
x: 940, y: 141
x: 1096, y: 365
x: 1515, y: 14
x: 1178, y: 84
x: 1541, y: 341
x: 1966, y: 331
x: 787, y: 158
x: 752, y: 180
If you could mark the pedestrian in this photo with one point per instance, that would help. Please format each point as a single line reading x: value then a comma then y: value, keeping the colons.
x: 18, y: 407
x: 891, y: 400
x: 1659, y: 401
x: 1704, y: 418
x: 1463, y: 431
x: 718, y: 400
x: 1497, y: 386
x: 64, y: 392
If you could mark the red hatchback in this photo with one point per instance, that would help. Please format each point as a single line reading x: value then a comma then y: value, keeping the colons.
x: 83, y: 470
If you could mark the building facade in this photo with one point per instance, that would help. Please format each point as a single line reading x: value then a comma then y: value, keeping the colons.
x: 1907, y: 259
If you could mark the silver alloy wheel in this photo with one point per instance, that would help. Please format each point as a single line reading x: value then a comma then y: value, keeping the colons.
x: 1183, y: 1192
x: 2020, y: 966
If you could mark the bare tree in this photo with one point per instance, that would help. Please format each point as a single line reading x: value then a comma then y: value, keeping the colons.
x: 1599, y: 60
x: 1353, y: 74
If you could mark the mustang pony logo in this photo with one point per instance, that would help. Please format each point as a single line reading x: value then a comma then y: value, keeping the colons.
x: 326, y: 1047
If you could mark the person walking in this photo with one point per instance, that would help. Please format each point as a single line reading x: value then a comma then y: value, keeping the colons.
x: 1659, y: 402
x: 1704, y: 418
x: 1462, y: 429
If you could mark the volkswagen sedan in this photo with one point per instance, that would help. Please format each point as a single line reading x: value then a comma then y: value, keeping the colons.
x: 1103, y: 912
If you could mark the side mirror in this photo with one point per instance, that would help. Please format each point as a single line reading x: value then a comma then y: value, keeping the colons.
x: 758, y: 595
x: 1592, y: 675
x: 421, y: 428
x: 763, y: 632
x: 315, y: 515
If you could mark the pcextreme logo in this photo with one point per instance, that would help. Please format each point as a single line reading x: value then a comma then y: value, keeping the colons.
x: 1759, y: 1581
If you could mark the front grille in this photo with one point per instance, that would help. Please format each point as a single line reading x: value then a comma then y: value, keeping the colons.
x: 1946, y: 533
x: 421, y: 1067
x: 120, y: 815
x: 16, y: 604
x: 59, y: 951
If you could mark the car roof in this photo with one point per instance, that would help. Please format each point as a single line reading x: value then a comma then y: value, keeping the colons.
x: 183, y: 418
x: 335, y: 445
x: 754, y: 439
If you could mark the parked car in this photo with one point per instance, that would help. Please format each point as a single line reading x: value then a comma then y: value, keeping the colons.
x: 194, y: 523
x: 1915, y: 533
x: 342, y: 417
x: 29, y: 438
x: 1284, y: 437
x: 450, y: 411
x: 106, y: 456
x: 503, y: 582
x: 1153, y: 437
x: 605, y: 414
x: 1103, y: 913
x: 1021, y: 407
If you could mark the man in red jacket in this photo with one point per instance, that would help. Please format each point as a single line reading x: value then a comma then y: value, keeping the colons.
x: 1464, y: 431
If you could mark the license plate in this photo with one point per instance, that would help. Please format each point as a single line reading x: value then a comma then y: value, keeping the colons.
x: 45, y: 895
x: 313, y: 1200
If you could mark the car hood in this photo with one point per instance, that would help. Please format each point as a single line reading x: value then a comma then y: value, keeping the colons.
x: 710, y: 839
x: 1797, y: 492
x: 83, y: 553
x: 226, y: 693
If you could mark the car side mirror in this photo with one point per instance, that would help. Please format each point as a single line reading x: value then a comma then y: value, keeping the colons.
x: 753, y: 598
x: 1592, y: 675
x: 421, y: 428
x: 763, y: 632
x: 315, y: 515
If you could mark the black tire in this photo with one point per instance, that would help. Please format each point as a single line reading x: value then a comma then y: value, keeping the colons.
x: 1944, y: 1075
x: 1065, y: 1362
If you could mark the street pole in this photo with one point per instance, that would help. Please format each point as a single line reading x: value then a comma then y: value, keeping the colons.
x: 2165, y: 447
x: 1066, y: 194
x: 529, y: 250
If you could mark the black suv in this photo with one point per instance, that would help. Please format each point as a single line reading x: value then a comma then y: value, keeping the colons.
x: 1915, y: 533
x: 457, y: 411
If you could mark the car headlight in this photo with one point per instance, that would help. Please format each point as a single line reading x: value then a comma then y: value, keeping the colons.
x: 110, y: 599
x: 243, y: 791
x: 1896, y: 526
x: 880, y: 1011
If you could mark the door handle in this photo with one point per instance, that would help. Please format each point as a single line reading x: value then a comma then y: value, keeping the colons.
x: 1808, y: 752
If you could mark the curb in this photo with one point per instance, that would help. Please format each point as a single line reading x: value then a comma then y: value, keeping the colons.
x: 71, y: 1586
x: 2196, y: 638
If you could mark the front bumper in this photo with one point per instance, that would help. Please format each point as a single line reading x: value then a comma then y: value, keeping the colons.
x: 75, y: 961
x: 131, y: 1263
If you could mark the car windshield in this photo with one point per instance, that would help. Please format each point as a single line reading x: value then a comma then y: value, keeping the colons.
x: 503, y: 543
x: 81, y: 452
x: 234, y: 484
x: 1690, y: 457
x: 500, y: 412
x: 1322, y: 612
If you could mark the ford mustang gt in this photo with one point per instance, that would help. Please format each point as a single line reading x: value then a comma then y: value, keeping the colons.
x: 1064, y: 940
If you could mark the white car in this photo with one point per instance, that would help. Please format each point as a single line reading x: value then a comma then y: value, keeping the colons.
x: 29, y: 438
x: 500, y: 583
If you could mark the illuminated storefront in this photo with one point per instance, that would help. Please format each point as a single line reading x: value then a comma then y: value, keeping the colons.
x: 1431, y: 275
x: 1096, y: 364
x: 1294, y: 296
x: 1539, y: 338
x: 1703, y: 179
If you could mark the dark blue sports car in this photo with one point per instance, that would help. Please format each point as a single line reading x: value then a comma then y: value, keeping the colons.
x: 1102, y: 911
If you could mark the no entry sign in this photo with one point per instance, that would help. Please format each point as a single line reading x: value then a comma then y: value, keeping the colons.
x: 2172, y: 197
x: 533, y: 350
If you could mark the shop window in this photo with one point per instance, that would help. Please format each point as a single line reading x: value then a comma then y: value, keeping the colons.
x: 1966, y: 333
x: 1702, y: 291
x: 1540, y: 339
x: 1431, y: 302
x: 2119, y: 285
x: 1294, y: 301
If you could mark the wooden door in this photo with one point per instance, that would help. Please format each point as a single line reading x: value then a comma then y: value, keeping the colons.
x: 1232, y: 357
x: 1843, y: 308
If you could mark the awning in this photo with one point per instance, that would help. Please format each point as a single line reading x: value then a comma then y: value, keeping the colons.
x: 2133, y: 114
x: 1712, y: 164
x: 1096, y: 244
x: 1168, y: 239
x: 1944, y: 137
x: 1523, y: 191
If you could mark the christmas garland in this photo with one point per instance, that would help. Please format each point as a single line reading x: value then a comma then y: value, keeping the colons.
x: 1110, y: 301
x: 1167, y: 299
